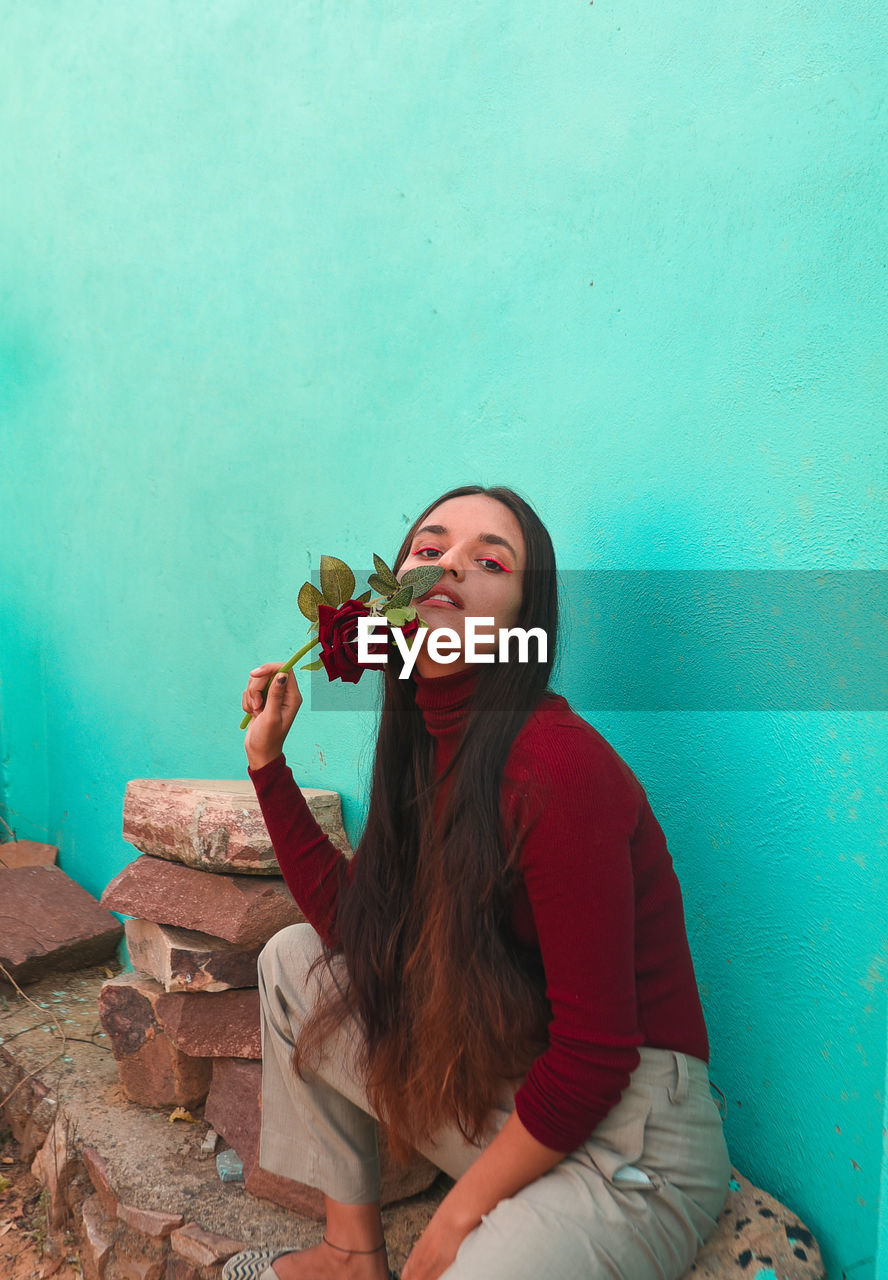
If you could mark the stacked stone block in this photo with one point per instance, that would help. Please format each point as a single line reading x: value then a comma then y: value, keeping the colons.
x: 205, y: 896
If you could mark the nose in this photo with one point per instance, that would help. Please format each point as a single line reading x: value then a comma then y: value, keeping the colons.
x: 452, y: 562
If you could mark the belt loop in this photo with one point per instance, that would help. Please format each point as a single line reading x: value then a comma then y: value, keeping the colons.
x: 679, y: 1092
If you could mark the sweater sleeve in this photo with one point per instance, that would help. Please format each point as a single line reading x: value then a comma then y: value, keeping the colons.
x: 312, y: 867
x: 578, y: 808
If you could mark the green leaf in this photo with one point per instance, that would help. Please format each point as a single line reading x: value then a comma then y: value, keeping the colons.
x: 308, y: 600
x: 400, y: 600
x: 364, y: 597
x: 422, y: 579
x: 337, y: 581
x: 313, y: 666
x: 380, y: 586
x: 397, y: 617
x: 385, y: 574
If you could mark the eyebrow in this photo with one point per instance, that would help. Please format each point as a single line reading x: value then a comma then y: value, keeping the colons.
x: 491, y: 539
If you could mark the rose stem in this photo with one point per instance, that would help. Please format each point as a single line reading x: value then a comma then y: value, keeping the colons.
x: 288, y: 666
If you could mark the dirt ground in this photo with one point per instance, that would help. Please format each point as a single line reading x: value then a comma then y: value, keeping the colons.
x: 27, y: 1252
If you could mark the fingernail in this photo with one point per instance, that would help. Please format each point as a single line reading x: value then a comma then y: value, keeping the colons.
x: 281, y: 677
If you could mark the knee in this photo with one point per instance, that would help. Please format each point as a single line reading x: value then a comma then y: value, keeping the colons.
x: 291, y: 951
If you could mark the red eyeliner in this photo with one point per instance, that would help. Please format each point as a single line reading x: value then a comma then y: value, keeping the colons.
x: 419, y: 551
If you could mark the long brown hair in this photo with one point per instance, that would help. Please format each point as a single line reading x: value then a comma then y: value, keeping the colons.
x: 449, y: 1003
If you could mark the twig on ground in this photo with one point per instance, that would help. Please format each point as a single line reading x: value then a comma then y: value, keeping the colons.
x: 33, y: 1003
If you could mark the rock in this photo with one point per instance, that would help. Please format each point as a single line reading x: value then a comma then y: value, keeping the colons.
x: 150, y: 1222
x: 205, y: 1248
x: 151, y: 1069
x: 42, y: 1110
x: 54, y: 1166
x: 96, y: 1239
x: 234, y: 1109
x: 183, y: 960
x: 27, y: 853
x: 229, y: 1166
x: 214, y: 825
x: 223, y: 1024
x: 159, y: 1075
x: 180, y: 1269
x: 99, y: 1176
x: 210, y: 1142
x: 48, y: 922
x: 241, y: 909
x: 753, y: 1227
x: 138, y: 1268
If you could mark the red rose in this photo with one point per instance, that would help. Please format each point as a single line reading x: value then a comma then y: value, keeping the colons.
x: 338, y: 633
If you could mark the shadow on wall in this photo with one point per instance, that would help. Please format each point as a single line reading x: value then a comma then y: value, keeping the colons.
x: 730, y: 640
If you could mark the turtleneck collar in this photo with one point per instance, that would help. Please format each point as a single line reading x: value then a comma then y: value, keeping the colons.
x: 444, y: 703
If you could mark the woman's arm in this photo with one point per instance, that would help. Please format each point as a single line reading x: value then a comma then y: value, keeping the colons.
x: 310, y: 863
x: 512, y: 1160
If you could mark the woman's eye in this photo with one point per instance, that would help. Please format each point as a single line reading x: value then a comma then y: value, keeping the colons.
x: 427, y: 553
x: 494, y: 565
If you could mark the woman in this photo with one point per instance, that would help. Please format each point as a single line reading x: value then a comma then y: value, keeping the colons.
x: 502, y: 973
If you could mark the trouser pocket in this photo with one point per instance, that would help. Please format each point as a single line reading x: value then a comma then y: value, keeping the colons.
x: 618, y: 1141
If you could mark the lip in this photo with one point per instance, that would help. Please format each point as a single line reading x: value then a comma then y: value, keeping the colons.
x: 455, y: 601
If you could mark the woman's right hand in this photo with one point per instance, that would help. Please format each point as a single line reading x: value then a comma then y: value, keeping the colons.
x: 273, y: 713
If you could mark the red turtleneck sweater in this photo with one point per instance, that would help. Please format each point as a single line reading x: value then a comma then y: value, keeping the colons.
x: 599, y: 899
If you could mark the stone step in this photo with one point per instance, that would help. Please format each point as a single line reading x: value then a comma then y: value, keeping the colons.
x: 48, y: 922
x: 214, y: 825
x: 244, y: 910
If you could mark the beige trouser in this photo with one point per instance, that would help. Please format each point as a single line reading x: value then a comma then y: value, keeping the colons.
x: 634, y: 1202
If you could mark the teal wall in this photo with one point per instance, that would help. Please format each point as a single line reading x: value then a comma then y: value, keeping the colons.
x: 274, y: 274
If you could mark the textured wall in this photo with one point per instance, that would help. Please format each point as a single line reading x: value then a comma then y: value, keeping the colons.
x: 274, y: 274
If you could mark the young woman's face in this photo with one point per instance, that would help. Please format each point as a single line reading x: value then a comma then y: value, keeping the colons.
x: 479, y: 544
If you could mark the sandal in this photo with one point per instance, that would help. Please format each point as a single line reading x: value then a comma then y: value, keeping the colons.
x: 253, y: 1264
x: 256, y: 1264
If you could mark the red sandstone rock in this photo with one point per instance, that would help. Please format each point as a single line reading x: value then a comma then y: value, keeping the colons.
x: 241, y: 909
x: 96, y: 1242
x: 205, y: 1248
x: 159, y: 1075
x: 150, y: 1222
x: 138, y: 1268
x: 28, y: 1109
x: 180, y: 1269
x: 214, y: 825
x: 234, y: 1109
x: 151, y: 1069
x: 183, y: 960
x: 27, y: 853
x: 98, y: 1175
x: 54, y: 1166
x: 223, y: 1024
x: 48, y: 922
